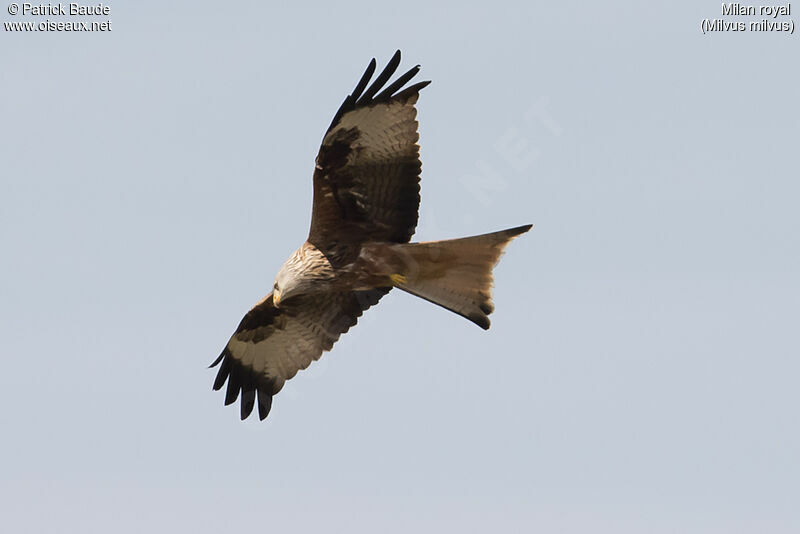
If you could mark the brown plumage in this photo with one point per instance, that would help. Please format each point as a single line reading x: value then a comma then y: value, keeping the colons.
x: 365, y: 210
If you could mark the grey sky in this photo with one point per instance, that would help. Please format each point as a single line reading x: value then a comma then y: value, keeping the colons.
x: 641, y: 371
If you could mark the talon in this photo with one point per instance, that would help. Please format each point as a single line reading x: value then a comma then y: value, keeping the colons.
x: 397, y: 279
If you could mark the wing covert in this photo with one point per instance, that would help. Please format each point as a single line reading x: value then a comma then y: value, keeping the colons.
x: 366, y: 180
x: 272, y: 344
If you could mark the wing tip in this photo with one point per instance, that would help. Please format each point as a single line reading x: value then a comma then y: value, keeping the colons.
x: 217, y: 361
x: 517, y: 230
x: 264, y: 403
x: 480, y: 319
x: 248, y: 402
x: 253, y: 387
x: 363, y: 95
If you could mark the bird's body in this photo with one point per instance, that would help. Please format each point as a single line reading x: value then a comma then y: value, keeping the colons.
x: 365, y: 210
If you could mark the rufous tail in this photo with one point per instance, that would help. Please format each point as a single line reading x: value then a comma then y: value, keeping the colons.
x: 456, y: 273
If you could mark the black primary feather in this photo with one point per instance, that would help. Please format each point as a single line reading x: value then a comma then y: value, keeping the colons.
x: 382, y: 78
x: 356, y: 99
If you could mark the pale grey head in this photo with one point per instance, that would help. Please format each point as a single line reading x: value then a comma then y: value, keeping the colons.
x: 306, y: 271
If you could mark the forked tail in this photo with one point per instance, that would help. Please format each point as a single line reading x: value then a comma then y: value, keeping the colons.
x: 457, y: 273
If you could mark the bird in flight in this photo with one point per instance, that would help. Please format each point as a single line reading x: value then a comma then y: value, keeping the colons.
x: 365, y: 210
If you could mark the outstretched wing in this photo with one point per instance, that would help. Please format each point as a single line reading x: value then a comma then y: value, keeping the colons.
x: 271, y: 344
x: 366, y: 181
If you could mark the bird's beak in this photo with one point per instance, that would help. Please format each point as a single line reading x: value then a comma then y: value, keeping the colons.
x: 276, y: 297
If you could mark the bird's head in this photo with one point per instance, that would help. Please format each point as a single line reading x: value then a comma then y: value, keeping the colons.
x: 286, y: 286
x: 306, y: 271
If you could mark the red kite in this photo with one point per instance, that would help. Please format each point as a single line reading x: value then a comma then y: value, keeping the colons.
x: 366, y: 201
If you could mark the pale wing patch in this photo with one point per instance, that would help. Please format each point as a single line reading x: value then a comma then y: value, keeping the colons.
x: 299, y: 341
x: 386, y: 131
x: 279, y: 356
x: 370, y: 176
